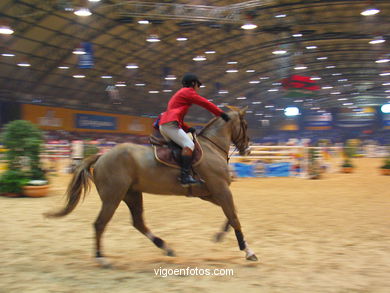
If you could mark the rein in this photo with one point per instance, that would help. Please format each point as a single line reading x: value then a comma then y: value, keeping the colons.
x: 222, y: 149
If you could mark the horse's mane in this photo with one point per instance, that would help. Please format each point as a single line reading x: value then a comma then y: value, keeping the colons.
x: 208, y: 125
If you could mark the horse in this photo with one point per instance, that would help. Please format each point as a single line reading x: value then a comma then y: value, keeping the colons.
x: 128, y: 170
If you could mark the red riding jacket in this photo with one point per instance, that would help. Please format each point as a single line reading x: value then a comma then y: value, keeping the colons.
x: 179, y: 104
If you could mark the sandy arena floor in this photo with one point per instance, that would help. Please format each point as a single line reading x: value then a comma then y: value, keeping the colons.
x: 328, y: 235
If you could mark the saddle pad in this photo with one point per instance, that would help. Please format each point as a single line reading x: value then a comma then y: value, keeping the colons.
x: 164, y: 155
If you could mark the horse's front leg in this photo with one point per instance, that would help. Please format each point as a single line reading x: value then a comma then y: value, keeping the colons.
x: 225, y: 199
x: 220, y: 235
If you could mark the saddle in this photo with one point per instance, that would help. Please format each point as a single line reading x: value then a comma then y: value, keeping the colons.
x: 169, y: 153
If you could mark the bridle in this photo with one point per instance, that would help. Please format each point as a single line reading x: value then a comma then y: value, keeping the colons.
x: 238, y: 140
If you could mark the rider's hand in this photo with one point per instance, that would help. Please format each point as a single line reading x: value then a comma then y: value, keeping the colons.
x: 225, y: 116
x: 192, y: 130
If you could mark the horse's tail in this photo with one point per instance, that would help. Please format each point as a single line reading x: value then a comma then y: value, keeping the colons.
x: 80, y: 184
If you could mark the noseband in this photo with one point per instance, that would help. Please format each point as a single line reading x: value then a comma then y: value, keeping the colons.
x: 240, y: 141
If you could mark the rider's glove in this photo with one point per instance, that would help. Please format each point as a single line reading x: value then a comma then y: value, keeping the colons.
x: 192, y: 130
x: 225, y: 116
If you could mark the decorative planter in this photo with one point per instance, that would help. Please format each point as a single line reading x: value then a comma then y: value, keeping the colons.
x: 347, y: 169
x: 385, y: 171
x: 36, y: 191
x: 10, y: 194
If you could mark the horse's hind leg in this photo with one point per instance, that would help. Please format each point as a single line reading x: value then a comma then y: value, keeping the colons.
x: 109, y: 206
x: 134, y: 201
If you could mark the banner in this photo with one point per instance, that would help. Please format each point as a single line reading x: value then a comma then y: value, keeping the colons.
x: 386, y: 121
x: 86, y: 60
x: 55, y: 118
x: 349, y: 118
x: 318, y: 121
x: 87, y: 121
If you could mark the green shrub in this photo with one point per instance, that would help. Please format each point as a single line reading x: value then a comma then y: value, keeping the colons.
x: 12, y: 181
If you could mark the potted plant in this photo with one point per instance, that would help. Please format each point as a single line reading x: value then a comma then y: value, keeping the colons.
x: 12, y: 182
x: 314, y: 169
x: 23, y: 141
x: 385, y: 168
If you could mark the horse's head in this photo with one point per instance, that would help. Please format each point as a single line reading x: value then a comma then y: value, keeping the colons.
x: 239, y: 129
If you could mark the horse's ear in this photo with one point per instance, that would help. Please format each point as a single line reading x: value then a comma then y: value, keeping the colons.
x: 233, y: 108
x: 243, y: 110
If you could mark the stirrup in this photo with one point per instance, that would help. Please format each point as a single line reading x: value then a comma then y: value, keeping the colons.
x: 189, y: 181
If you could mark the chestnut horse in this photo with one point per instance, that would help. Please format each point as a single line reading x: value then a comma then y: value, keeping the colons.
x: 128, y: 170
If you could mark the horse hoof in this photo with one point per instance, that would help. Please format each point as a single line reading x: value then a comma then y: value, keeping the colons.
x: 252, y: 257
x: 219, y: 236
x: 170, y: 252
x: 103, y: 262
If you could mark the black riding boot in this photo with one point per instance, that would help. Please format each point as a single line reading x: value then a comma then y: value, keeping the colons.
x: 186, y: 158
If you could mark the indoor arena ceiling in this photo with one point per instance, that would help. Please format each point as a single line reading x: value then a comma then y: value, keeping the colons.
x: 328, y: 40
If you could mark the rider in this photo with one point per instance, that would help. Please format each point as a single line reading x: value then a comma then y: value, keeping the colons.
x: 172, y: 126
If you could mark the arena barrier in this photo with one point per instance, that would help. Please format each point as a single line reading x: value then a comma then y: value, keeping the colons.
x: 3, y: 165
x: 282, y: 161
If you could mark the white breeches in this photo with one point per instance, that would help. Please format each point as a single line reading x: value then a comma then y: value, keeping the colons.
x: 171, y: 131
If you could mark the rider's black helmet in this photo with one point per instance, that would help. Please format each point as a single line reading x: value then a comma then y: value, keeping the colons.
x: 190, y: 80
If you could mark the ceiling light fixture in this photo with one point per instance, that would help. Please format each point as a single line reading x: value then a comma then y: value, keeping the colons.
x: 143, y: 21
x: 231, y: 70
x: 24, y: 64
x: 106, y: 76
x: 170, y: 77
x: 83, y: 11
x: 120, y: 84
x: 300, y: 67
x: 210, y: 52
x: 291, y: 111
x: 383, y: 60
x: 370, y: 11
x: 241, y: 98
x: 6, y: 29
x: 78, y: 76
x: 279, y: 52
x: 249, y: 26
x: 322, y: 58
x: 297, y: 35
x: 199, y: 58
x: 8, y: 55
x: 280, y: 15
x: 131, y: 66
x: 377, y: 40
x: 181, y: 39
x: 63, y: 67
x: 153, y: 38
x: 79, y: 51
x: 250, y: 70
x: 311, y: 47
